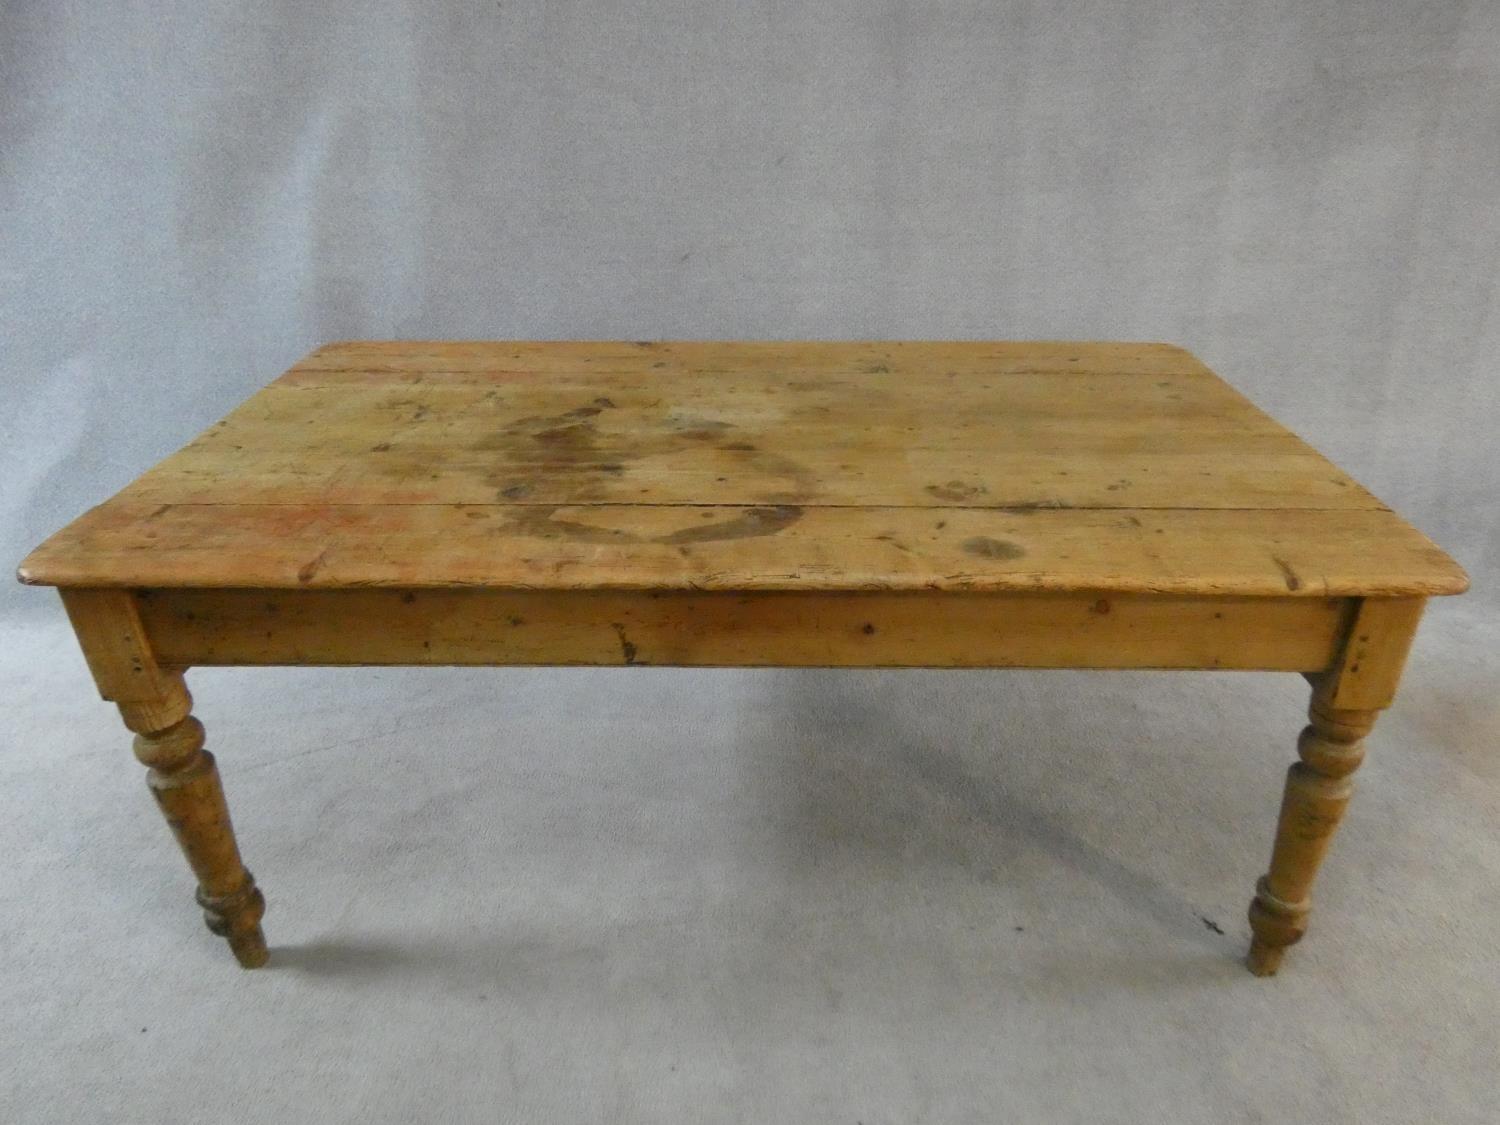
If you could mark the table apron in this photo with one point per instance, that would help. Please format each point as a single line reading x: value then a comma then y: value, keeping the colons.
x: 794, y: 629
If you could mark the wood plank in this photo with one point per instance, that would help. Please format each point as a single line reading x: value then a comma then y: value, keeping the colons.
x: 1379, y: 639
x: 233, y: 627
x: 115, y: 645
x: 1247, y: 553
x: 756, y: 436
x: 786, y: 465
x: 1165, y: 479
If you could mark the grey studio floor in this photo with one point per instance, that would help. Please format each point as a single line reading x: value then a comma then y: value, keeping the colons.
x: 773, y: 896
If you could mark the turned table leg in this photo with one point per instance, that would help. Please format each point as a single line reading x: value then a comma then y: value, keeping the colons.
x: 1345, y: 703
x: 155, y: 704
x: 185, y: 782
x: 1317, y: 792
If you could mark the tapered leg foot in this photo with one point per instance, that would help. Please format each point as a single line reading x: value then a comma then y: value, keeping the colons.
x: 185, y: 782
x: 1317, y: 792
x: 1263, y: 960
x: 236, y: 918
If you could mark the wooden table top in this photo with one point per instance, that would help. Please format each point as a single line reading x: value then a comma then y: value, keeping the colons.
x: 1045, y: 466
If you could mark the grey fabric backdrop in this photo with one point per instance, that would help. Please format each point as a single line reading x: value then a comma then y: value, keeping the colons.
x: 660, y: 895
x: 194, y: 194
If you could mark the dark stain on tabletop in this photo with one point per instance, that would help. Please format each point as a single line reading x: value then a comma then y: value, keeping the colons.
x: 312, y: 566
x: 543, y: 522
x: 983, y: 547
x: 956, y: 491
x: 751, y: 523
x: 705, y: 430
x: 627, y: 647
x: 567, y: 451
x: 1293, y: 582
x: 575, y: 436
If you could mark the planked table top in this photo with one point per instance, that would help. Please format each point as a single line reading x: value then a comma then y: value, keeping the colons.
x: 1007, y: 466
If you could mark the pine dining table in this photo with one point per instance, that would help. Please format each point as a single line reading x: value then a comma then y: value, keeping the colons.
x: 1043, y: 504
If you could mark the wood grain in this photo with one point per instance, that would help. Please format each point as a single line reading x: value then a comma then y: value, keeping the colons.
x: 710, y: 547
x: 1315, y: 797
x: 789, y: 466
x: 1374, y: 656
x: 947, y: 505
x: 488, y: 627
x: 182, y: 775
